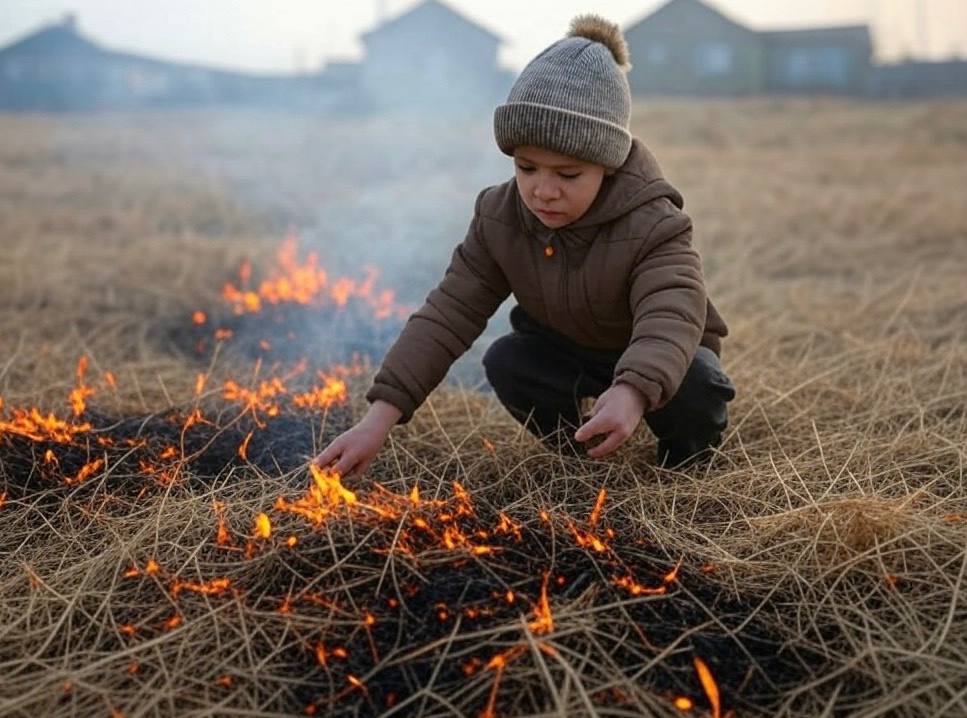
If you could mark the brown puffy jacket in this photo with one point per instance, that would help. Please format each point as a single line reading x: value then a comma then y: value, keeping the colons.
x: 623, y: 276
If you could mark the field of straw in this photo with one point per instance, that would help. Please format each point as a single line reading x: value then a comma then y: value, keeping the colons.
x: 167, y: 552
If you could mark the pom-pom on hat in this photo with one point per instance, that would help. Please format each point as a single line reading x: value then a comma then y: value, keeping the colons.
x: 573, y: 98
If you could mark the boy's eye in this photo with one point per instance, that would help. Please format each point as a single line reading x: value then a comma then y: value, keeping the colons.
x: 524, y: 169
x: 574, y: 176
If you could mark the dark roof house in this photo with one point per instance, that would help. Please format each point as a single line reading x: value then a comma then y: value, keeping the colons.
x: 58, y: 68
x: 432, y: 57
x: 687, y: 47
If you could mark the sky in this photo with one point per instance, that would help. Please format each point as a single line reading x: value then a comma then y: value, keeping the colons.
x: 289, y: 35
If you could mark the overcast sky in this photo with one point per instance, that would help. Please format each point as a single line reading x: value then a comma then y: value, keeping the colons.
x: 288, y: 34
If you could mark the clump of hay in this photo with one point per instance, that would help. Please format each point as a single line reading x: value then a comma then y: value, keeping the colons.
x: 841, y: 528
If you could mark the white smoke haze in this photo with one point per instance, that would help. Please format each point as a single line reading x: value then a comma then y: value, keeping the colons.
x: 391, y: 192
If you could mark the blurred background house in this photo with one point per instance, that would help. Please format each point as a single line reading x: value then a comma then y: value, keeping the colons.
x: 685, y: 47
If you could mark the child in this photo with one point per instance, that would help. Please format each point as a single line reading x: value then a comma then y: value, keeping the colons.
x: 592, y: 242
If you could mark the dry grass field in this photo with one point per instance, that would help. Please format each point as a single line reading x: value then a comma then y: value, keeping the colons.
x: 166, y: 552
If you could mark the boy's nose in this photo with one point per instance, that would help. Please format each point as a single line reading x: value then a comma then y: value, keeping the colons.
x: 545, y: 191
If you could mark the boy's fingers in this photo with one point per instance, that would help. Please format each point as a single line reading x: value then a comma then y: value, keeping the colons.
x: 327, y: 456
x: 345, y: 464
x: 613, y: 441
x: 592, y: 427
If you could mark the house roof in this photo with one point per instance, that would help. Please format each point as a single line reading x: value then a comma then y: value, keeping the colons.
x: 436, y: 15
x: 698, y: 5
x: 840, y: 35
x: 60, y: 38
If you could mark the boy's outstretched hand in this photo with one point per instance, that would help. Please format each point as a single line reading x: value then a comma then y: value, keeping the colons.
x: 617, y: 413
x: 352, y: 451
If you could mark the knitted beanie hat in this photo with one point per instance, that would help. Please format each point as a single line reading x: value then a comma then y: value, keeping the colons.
x: 573, y: 98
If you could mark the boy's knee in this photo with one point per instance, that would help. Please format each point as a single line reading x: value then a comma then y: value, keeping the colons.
x: 498, y: 360
x: 706, y: 371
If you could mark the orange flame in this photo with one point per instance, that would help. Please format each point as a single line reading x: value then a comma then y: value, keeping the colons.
x: 683, y: 703
x: 86, y: 471
x: 80, y: 393
x: 307, y: 283
x: 243, y: 447
x: 709, y: 685
x: 544, y: 621
x: 263, y: 527
x: 596, y: 511
x: 215, y: 587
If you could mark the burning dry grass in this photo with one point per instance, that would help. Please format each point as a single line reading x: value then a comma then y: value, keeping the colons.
x: 815, y: 566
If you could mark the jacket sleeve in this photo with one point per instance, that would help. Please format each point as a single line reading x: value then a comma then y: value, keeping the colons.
x: 454, y: 315
x: 668, y: 304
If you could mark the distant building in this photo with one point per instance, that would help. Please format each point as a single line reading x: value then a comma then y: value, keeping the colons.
x: 832, y: 60
x: 920, y: 79
x: 686, y: 47
x: 431, y: 58
x: 56, y: 68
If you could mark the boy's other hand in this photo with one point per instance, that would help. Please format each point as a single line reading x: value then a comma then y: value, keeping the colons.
x: 351, y: 453
x: 617, y: 413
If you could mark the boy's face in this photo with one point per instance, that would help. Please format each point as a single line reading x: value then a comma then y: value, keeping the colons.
x: 558, y: 189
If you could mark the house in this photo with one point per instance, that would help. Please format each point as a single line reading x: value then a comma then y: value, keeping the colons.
x: 947, y: 78
x: 57, y: 68
x: 687, y: 47
x: 432, y: 57
x: 832, y: 60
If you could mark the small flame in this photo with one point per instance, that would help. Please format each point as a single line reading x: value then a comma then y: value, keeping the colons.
x: 199, y: 318
x: 263, y: 527
x: 81, y: 392
x: 710, y: 686
x: 88, y: 470
x: 596, y: 511
x: 544, y: 621
x: 215, y: 587
x: 684, y: 703
x: 243, y: 447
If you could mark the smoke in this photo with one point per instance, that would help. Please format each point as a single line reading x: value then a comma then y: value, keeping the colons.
x: 392, y: 192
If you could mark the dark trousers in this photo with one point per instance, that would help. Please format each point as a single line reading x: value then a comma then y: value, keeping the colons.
x: 541, y: 376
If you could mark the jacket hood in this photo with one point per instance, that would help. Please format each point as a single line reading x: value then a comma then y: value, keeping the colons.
x: 638, y: 181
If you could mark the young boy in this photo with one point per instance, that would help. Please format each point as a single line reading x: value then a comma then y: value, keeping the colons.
x: 592, y: 242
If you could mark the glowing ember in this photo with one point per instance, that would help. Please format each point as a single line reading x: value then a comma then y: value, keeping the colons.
x: 543, y: 622
x: 684, y: 704
x: 636, y: 589
x: 86, y: 471
x: 80, y: 393
x: 596, y: 511
x: 215, y: 587
x: 672, y: 575
x: 710, y: 686
x: 243, y: 447
x: 263, y: 527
